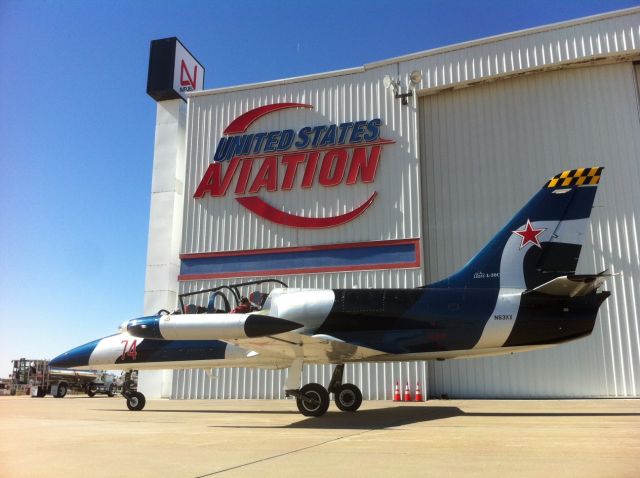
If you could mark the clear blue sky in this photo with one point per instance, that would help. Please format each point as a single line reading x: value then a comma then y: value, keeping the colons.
x: 77, y: 128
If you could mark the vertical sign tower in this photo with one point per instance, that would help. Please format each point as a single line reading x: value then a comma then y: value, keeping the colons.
x: 173, y: 72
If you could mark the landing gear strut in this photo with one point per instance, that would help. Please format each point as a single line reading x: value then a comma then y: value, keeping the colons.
x: 135, y: 399
x: 347, y: 396
x: 313, y: 399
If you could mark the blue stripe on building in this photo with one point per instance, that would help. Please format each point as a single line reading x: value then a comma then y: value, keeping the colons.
x: 347, y: 257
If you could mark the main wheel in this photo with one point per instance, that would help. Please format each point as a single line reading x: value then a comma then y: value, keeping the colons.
x: 62, y: 390
x: 320, y: 400
x: 348, y: 397
x: 91, y: 390
x: 136, y: 401
x: 112, y: 391
x: 42, y: 392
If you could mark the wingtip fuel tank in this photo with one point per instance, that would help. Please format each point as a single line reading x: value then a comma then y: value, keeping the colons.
x: 208, y: 326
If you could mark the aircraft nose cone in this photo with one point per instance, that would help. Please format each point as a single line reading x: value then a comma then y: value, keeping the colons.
x: 77, y: 357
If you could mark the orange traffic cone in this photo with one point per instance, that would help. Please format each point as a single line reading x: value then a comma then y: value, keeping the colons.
x: 407, y: 393
x: 418, y: 393
x: 396, y: 393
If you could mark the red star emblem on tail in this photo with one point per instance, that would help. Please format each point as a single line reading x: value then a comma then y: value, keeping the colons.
x: 530, y: 235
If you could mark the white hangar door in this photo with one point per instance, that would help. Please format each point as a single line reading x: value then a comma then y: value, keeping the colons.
x: 484, y: 151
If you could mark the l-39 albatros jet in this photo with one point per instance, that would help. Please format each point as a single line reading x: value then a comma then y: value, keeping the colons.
x: 519, y: 293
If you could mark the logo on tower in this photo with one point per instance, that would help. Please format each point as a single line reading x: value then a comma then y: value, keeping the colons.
x: 188, y: 82
x: 188, y: 73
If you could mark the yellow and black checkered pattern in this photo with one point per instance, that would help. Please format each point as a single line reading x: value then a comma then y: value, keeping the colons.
x: 576, y: 177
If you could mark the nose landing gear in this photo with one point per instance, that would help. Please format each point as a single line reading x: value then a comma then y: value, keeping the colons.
x: 135, y: 400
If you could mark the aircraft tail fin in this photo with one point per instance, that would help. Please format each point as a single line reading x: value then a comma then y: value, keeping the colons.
x: 541, y: 242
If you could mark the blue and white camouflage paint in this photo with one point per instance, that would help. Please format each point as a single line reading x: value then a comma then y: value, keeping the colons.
x: 520, y: 292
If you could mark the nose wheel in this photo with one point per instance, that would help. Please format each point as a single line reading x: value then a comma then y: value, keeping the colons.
x: 135, y: 400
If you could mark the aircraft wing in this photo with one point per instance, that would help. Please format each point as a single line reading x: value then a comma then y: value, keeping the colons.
x: 314, y: 349
x: 573, y: 285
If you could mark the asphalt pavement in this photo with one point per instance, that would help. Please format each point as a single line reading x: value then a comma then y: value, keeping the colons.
x: 81, y: 436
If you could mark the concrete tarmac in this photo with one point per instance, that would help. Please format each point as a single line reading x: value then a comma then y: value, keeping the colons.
x: 81, y: 436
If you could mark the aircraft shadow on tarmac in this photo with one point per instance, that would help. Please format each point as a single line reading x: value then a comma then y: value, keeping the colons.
x: 333, y: 419
x: 399, y: 416
x: 377, y: 418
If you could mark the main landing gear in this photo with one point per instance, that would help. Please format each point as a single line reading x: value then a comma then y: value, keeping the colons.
x: 313, y: 399
x: 135, y: 399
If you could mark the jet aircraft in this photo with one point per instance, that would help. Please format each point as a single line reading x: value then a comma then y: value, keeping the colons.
x: 519, y: 293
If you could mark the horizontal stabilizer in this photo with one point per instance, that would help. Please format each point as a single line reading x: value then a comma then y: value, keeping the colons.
x: 572, y: 285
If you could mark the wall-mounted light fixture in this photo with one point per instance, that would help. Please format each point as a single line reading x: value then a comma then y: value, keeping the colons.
x: 414, y: 80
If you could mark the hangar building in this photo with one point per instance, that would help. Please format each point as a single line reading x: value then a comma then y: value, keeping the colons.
x: 408, y: 166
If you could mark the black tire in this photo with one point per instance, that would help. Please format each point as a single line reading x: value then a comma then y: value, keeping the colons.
x: 111, y: 391
x: 41, y: 392
x: 348, y: 397
x: 62, y: 390
x: 136, y: 401
x: 92, y: 390
x: 318, y: 393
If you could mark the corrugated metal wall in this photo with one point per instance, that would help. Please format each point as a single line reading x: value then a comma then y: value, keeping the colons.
x: 485, y: 150
x: 605, y: 36
x: 375, y: 380
x: 222, y: 224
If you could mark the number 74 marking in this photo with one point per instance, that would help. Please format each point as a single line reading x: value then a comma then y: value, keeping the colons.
x: 132, y: 352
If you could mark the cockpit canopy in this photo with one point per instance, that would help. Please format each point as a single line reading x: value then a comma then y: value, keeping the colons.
x: 233, y: 298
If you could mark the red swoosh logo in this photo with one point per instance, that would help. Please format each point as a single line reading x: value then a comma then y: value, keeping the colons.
x: 242, y: 122
x: 267, y: 211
